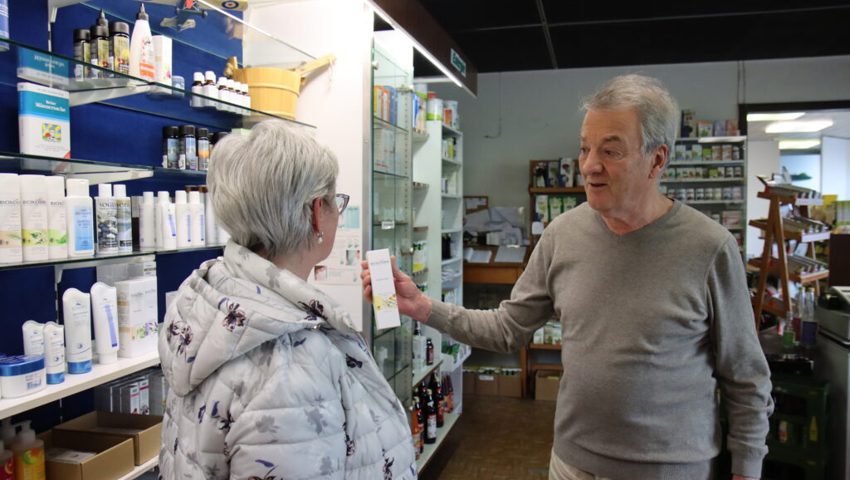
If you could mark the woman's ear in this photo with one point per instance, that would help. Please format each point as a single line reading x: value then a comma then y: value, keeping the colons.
x: 317, y: 213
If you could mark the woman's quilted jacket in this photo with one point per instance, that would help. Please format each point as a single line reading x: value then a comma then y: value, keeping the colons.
x: 267, y: 380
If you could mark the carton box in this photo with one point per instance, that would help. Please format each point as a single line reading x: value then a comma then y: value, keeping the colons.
x: 510, y: 386
x: 144, y: 430
x: 113, y: 455
x: 469, y: 383
x: 546, y: 384
x: 486, y: 384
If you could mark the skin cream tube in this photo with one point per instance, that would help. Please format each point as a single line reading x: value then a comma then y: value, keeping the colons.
x: 54, y: 352
x: 34, y: 223
x: 33, y: 338
x: 76, y: 312
x: 10, y: 219
x: 104, y: 304
x: 57, y: 232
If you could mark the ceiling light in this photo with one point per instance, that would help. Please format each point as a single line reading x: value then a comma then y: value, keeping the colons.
x: 799, y: 126
x: 773, y: 117
x: 799, y: 144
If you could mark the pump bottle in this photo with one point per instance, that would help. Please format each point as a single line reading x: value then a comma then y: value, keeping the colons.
x: 28, y: 453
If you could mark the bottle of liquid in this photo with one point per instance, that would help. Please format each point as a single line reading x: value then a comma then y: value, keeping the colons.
x: 418, y: 406
x: 142, y: 62
x: 188, y: 147
x: 28, y: 452
x: 82, y: 53
x: 203, y: 149
x: 119, y: 41
x: 419, y: 348
x: 76, y: 313
x: 197, y: 89
x: 124, y: 217
x: 57, y: 224
x: 211, y: 233
x: 33, y: 338
x: 197, y: 231
x: 11, y: 250
x: 809, y: 335
x: 223, y: 95
x: 437, y: 390
x: 147, y: 222
x: 106, y: 213
x: 99, y: 34
x: 54, y: 352
x: 429, y: 352
x: 80, y: 218
x: 7, y: 463
x: 430, y: 419
x: 414, y: 429
x: 104, y: 301
x: 184, y: 220
x: 34, y: 223
x: 168, y: 223
x: 170, y: 146
x: 210, y: 89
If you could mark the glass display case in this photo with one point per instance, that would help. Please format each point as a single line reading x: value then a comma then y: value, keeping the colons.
x: 392, y: 190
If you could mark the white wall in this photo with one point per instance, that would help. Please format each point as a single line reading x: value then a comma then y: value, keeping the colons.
x: 835, y: 165
x: 763, y: 158
x: 540, y: 117
x: 809, y: 164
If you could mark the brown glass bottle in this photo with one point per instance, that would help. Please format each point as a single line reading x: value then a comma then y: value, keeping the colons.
x: 437, y: 390
x: 430, y: 419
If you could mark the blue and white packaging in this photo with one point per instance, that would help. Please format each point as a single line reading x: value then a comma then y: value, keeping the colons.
x: 22, y: 375
x: 42, y: 68
x: 4, y: 24
x: 44, y: 121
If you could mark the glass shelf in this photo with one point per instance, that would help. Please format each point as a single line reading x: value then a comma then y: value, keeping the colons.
x: 95, y: 172
x: 180, y: 173
x: 96, y: 260
x: 380, y: 123
x: 57, y: 71
x: 390, y: 174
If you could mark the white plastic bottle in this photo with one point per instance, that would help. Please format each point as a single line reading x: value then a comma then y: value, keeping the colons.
x: 168, y: 222
x: 76, y: 312
x: 29, y: 455
x: 142, y: 60
x: 125, y: 218
x: 80, y: 218
x: 147, y: 219
x: 196, y: 211
x: 7, y: 462
x: 211, y: 232
x: 210, y: 89
x: 10, y: 219
x: 104, y: 302
x: 34, y: 217
x: 107, y: 220
x: 57, y: 224
x: 197, y: 89
x: 184, y: 220
x: 221, y: 85
x: 33, y: 338
x: 54, y: 352
x: 161, y: 198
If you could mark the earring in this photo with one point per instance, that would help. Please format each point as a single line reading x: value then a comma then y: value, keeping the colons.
x: 320, y: 237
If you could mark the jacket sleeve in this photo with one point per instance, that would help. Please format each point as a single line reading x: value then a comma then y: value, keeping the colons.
x: 741, y: 367
x: 511, y: 326
x: 291, y: 425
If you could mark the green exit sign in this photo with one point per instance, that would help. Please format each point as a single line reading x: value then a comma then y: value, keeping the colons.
x: 458, y: 62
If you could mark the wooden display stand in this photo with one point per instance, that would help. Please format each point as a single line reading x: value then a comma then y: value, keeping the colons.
x: 775, y: 233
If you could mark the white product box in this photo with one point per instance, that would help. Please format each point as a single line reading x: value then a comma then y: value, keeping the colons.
x: 162, y: 61
x: 44, y: 121
x: 137, y: 316
x: 129, y: 398
x: 383, y: 289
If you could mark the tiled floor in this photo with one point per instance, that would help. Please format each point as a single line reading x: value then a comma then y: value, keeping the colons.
x: 496, y: 439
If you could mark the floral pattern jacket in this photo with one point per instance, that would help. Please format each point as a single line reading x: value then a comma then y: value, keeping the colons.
x: 268, y: 380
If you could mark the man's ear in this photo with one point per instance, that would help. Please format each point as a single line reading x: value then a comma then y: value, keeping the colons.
x: 659, y: 159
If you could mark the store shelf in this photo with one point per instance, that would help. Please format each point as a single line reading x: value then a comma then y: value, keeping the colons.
x: 792, y: 200
x: 706, y: 162
x: 451, y: 230
x: 423, y: 374
x: 793, y: 234
x: 555, y: 190
x: 83, y: 262
x: 99, y: 375
x: 180, y: 173
x: 420, y: 137
x: 544, y: 346
x: 703, y: 180
x: 191, y: 249
x: 95, y: 172
x: 450, y: 196
x: 382, y: 124
x: 452, y: 279
x: 428, y: 453
x: 452, y: 162
x: 449, y: 261
x: 794, y: 277
x: 391, y: 174
x: 727, y: 139
x: 141, y: 469
x: 447, y: 130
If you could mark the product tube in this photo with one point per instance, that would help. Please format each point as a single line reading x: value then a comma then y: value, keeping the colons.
x: 105, y: 309
x: 147, y: 219
x: 33, y: 338
x: 10, y: 219
x: 124, y: 218
x: 211, y: 231
x: 57, y: 224
x: 76, y: 312
x: 80, y: 218
x: 34, y: 223
x: 54, y: 352
x: 168, y: 224
x: 197, y: 231
x: 184, y: 220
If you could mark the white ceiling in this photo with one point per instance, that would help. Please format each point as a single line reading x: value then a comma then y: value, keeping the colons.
x: 840, y: 127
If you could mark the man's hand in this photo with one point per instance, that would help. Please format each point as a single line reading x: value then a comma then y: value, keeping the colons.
x: 411, y: 301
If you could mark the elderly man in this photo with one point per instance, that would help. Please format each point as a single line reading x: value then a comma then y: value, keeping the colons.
x: 654, y: 307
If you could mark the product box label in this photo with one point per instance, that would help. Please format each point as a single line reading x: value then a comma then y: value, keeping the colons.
x: 384, y: 298
x: 44, y: 121
x: 42, y: 68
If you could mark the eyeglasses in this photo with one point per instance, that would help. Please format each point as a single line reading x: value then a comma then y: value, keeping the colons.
x: 341, y: 201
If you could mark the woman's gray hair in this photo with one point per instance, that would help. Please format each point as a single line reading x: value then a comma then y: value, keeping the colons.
x: 657, y: 110
x: 262, y: 186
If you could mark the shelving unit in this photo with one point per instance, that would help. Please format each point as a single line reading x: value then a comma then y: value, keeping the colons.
x: 442, y: 433
x: 141, y: 469
x: 776, y: 233
x: 451, y: 208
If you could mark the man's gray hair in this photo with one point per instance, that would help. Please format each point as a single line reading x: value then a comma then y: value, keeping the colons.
x: 657, y: 110
x: 262, y: 186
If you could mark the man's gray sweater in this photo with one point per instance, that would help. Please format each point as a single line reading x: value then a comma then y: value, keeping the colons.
x: 652, y: 322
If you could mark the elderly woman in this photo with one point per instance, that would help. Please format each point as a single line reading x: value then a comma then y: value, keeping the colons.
x: 267, y: 379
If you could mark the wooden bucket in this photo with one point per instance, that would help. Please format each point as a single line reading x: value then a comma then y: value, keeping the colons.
x: 275, y: 90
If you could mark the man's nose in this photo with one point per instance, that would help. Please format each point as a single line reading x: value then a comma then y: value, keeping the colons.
x: 590, y: 164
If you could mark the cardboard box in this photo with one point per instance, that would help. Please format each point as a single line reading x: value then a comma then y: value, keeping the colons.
x: 469, y: 383
x: 113, y: 455
x: 144, y: 430
x: 486, y: 384
x: 546, y: 385
x: 510, y: 386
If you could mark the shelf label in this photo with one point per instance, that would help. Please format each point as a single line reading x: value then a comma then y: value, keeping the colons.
x: 387, y: 224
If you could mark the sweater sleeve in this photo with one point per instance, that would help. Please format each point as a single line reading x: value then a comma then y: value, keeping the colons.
x: 741, y: 367
x: 511, y: 326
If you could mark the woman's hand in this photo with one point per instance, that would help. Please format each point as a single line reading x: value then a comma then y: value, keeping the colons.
x: 411, y: 301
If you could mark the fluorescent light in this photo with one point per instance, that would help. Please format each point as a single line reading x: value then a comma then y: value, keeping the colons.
x: 416, y: 44
x: 799, y: 144
x: 773, y: 117
x: 800, y: 126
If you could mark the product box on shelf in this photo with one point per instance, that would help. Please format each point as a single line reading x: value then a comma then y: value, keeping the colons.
x: 44, y: 121
x: 87, y: 455
x: 144, y: 430
x: 486, y: 384
x: 137, y: 316
x: 546, y: 384
x: 469, y: 382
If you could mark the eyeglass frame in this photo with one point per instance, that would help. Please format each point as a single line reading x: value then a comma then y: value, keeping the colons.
x: 345, y: 199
